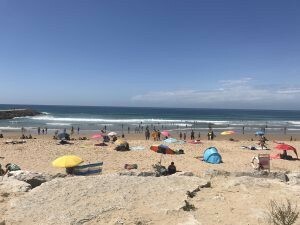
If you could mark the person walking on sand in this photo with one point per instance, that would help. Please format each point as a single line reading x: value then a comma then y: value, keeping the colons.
x: 72, y: 130
x: 46, y: 130
x: 78, y: 129
x: 39, y: 130
x: 184, y: 136
x: 180, y: 135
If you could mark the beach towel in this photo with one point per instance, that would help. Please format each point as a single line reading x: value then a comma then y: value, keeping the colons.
x: 88, y: 169
x: 137, y: 148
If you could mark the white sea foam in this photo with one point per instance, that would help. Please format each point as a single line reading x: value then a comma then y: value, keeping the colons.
x: 297, y: 123
x: 101, y: 120
x: 59, y: 124
x: 10, y: 128
x: 45, y: 113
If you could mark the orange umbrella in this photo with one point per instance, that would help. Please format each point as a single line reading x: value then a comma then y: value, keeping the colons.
x: 163, y: 149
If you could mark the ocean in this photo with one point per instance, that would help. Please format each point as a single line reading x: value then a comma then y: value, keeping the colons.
x: 93, y: 118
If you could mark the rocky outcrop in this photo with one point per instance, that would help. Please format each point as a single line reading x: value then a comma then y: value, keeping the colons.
x: 108, y: 199
x: 32, y: 178
x: 12, y: 113
x: 13, y: 186
x: 282, y: 176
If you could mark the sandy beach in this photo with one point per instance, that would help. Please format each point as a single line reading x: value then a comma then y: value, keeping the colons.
x: 37, y: 154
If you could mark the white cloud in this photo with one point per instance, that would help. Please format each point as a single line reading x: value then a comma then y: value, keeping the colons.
x: 242, y: 93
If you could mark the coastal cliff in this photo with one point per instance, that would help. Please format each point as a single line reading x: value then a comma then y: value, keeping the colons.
x: 12, y: 113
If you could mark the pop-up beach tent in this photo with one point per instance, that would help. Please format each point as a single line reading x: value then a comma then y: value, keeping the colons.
x: 211, y: 155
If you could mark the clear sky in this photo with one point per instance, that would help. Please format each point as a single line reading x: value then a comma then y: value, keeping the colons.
x: 188, y: 53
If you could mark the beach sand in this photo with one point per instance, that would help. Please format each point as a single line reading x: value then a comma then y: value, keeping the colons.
x: 37, y: 154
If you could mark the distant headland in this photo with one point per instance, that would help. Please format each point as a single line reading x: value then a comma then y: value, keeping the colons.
x: 12, y: 113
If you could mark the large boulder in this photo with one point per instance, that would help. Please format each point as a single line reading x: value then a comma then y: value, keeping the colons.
x: 32, y: 178
x: 294, y: 178
x: 14, y: 186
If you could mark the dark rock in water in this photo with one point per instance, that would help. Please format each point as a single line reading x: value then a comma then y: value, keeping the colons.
x: 12, y: 113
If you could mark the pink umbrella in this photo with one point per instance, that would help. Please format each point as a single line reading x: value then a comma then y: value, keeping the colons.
x: 96, y: 136
x: 165, y: 133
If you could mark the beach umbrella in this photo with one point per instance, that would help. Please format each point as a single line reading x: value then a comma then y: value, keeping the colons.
x: 285, y: 147
x: 67, y: 161
x: 121, y: 142
x: 170, y: 140
x: 165, y: 133
x: 228, y: 132
x: 112, y: 134
x: 259, y: 133
x: 96, y: 136
x: 163, y: 149
x: 63, y: 136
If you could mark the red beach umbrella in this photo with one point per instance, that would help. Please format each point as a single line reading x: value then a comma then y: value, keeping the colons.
x: 285, y: 147
x: 163, y: 149
x: 165, y: 133
x: 96, y: 136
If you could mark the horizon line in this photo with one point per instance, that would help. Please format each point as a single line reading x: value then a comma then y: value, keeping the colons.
x: 153, y: 107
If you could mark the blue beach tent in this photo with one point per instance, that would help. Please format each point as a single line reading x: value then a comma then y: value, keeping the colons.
x: 211, y: 155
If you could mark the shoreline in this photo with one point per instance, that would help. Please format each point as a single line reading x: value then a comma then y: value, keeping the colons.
x: 8, y: 134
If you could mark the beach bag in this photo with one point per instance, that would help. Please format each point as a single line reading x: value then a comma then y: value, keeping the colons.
x: 130, y: 166
x: 13, y: 167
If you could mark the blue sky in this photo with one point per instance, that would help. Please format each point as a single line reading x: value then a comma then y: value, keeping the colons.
x: 208, y: 53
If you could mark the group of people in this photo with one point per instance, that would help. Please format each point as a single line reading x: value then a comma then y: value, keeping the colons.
x: 210, y: 135
x: 156, y: 135
x: 26, y: 137
x: 183, y: 136
x: 43, y: 131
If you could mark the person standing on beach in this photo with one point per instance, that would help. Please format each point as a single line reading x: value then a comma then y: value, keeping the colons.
x: 243, y: 128
x: 46, y: 130
x: 284, y: 130
x: 199, y: 135
x: 39, y: 130
x: 72, y: 130
x: 180, y: 135
x: 184, y: 136
x: 158, y: 135
x: 192, y: 135
x: 78, y: 129
x: 128, y: 130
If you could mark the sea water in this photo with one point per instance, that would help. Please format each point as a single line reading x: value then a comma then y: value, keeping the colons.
x: 94, y: 118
